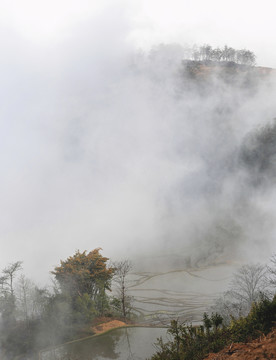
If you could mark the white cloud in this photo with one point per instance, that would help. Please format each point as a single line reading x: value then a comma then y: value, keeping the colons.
x: 94, y: 153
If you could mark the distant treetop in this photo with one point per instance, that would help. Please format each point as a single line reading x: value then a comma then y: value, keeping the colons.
x: 203, y: 53
x: 207, y: 53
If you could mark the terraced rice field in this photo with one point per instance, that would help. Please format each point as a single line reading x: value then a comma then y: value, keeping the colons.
x: 182, y: 293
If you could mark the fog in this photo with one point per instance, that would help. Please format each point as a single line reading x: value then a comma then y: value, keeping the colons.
x: 106, y: 144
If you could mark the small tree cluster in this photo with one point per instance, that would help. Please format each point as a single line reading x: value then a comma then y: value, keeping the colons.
x: 22, y: 307
x: 207, y: 53
x: 191, y: 342
x: 35, y: 318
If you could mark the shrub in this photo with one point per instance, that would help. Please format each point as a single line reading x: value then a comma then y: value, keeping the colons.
x: 194, y: 343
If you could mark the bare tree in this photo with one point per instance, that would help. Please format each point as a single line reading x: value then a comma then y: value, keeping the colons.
x: 272, y: 272
x: 216, y: 54
x: 228, y: 53
x: 122, y: 269
x: 249, y: 282
x: 25, y: 292
x: 3, y: 284
x: 7, y: 297
x: 205, y: 52
x: 246, y: 57
x: 247, y: 286
x: 10, y: 273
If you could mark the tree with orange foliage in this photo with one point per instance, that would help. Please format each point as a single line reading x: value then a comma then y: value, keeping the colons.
x: 84, y: 273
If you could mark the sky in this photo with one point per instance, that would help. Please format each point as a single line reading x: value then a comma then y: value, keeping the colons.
x: 239, y: 24
x: 88, y: 153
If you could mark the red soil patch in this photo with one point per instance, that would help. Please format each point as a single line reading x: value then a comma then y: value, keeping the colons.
x: 259, y: 349
x: 107, y: 325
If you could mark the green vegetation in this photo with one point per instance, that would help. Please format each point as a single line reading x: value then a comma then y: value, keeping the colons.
x: 84, y: 279
x: 194, y: 343
x: 34, y: 318
x: 243, y: 313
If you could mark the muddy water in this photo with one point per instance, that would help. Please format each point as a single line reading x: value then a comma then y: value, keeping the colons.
x: 160, y: 296
x: 134, y: 343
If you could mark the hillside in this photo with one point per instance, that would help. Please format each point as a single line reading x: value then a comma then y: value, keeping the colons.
x: 215, y: 341
x: 262, y: 348
x: 227, y: 71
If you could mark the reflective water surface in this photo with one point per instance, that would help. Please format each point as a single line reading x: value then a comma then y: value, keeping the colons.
x: 135, y: 343
x: 158, y: 297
